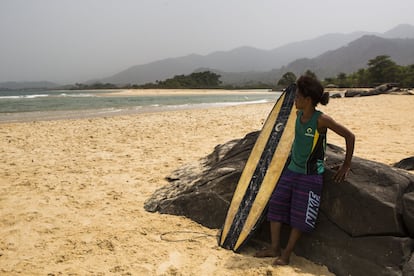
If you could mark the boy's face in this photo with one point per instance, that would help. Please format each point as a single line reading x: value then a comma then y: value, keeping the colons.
x: 300, y: 100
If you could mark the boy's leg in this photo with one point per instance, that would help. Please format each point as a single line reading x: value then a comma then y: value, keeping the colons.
x: 274, y: 250
x: 306, y: 200
x: 278, y: 213
x: 275, y: 235
x: 294, y: 236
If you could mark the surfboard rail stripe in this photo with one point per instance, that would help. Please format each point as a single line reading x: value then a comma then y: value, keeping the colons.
x: 256, y: 179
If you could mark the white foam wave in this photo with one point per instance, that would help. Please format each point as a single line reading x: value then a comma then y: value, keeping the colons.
x: 35, y: 96
x: 10, y: 97
x: 77, y: 95
x: 216, y: 104
x: 25, y: 96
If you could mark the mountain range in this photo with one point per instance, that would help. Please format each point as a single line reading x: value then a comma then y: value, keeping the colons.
x: 327, y: 56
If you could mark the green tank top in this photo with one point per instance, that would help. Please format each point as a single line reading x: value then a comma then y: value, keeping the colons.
x: 308, y: 150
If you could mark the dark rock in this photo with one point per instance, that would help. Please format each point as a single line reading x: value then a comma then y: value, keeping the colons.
x: 336, y: 95
x: 361, y: 93
x: 406, y: 163
x: 371, y: 93
x: 386, y: 88
x: 216, y: 175
x: 408, y: 212
x: 353, y: 93
x: 408, y: 269
x: 369, y: 201
x: 345, y: 255
x: 365, y: 222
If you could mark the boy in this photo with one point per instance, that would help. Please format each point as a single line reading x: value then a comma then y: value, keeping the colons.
x: 296, y: 198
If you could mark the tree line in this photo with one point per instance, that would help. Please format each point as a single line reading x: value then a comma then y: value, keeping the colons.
x: 197, y: 80
x: 381, y: 69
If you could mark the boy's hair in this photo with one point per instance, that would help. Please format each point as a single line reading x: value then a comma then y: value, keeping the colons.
x: 311, y: 87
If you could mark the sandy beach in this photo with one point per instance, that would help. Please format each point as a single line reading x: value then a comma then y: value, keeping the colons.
x: 72, y: 191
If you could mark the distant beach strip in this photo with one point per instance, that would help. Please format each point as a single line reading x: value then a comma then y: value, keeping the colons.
x: 23, y: 106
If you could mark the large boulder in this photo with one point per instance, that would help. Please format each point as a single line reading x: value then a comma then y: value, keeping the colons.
x: 386, y: 88
x: 365, y: 225
x: 347, y: 255
x: 406, y: 163
x: 408, y: 268
x: 369, y: 202
x: 408, y: 212
x: 212, y: 181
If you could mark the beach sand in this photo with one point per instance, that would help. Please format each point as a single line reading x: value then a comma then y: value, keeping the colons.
x: 72, y: 191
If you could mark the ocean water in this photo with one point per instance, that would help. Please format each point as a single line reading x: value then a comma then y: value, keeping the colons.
x: 26, y: 104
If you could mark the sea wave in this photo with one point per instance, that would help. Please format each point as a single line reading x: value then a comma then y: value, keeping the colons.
x: 101, y: 112
x: 67, y: 101
x: 202, y: 105
x: 77, y: 95
x: 25, y: 96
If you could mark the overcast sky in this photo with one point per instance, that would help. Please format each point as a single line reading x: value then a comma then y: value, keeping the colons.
x: 68, y: 41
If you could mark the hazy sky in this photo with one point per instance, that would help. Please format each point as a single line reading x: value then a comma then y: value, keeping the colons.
x: 70, y: 41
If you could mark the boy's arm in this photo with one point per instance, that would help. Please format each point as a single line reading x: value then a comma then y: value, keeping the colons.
x: 327, y: 122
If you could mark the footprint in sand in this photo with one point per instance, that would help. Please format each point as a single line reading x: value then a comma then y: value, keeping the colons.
x: 209, y: 266
x: 171, y: 265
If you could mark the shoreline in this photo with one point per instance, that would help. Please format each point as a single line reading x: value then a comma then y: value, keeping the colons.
x: 169, y: 92
x: 24, y: 117
x: 143, y: 105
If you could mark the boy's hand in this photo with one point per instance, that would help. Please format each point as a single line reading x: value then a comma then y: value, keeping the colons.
x: 341, y: 173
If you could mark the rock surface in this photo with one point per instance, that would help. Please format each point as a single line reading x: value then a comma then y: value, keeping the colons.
x: 406, y: 163
x: 387, y: 88
x: 366, y: 223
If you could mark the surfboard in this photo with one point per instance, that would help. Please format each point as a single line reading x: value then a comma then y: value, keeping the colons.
x: 261, y: 173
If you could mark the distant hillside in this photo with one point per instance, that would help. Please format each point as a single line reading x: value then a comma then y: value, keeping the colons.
x: 27, y: 85
x: 243, y: 59
x: 326, y: 55
x: 347, y: 59
x: 401, y: 31
x: 355, y: 56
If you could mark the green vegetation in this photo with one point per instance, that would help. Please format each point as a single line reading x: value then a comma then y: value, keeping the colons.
x: 287, y: 79
x: 98, y: 85
x: 199, y: 80
x: 380, y: 70
x: 205, y: 79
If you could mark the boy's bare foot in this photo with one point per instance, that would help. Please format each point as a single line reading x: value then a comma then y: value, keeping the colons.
x: 268, y: 252
x: 281, y: 261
